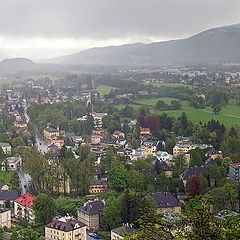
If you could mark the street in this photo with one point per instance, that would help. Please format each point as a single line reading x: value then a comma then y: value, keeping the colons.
x: 41, y: 143
x: 25, y: 180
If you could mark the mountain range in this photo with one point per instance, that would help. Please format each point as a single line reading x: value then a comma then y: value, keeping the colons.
x: 217, y: 45
x: 214, y: 46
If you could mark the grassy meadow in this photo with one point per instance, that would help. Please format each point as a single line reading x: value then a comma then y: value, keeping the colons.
x: 103, y: 89
x: 229, y: 115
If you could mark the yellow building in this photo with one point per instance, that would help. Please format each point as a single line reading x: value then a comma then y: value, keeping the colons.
x: 50, y: 132
x: 66, y: 228
x: 98, y: 187
x: 20, y: 124
x: 97, y: 131
x: 185, y: 148
x: 118, y: 134
x: 147, y: 152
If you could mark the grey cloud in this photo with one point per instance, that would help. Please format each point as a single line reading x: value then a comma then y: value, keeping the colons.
x: 106, y: 19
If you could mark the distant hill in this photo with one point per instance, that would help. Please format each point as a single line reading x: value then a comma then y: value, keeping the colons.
x: 15, y: 65
x: 217, y: 45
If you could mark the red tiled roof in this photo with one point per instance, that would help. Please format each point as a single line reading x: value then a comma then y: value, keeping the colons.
x: 237, y: 165
x: 145, y: 129
x: 26, y: 200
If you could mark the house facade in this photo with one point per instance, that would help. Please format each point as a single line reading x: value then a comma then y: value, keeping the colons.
x: 234, y: 172
x: 12, y: 164
x: 50, y: 132
x: 5, y: 217
x: 65, y: 228
x: 98, y: 187
x: 165, y: 202
x: 91, y: 214
x: 23, y: 208
x: 6, y: 147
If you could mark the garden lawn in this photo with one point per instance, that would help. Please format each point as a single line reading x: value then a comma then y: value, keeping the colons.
x: 153, y: 101
x: 5, y: 176
x: 205, y: 115
x: 172, y: 85
x: 103, y: 89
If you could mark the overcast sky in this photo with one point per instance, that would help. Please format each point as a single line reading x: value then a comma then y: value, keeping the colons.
x: 47, y: 28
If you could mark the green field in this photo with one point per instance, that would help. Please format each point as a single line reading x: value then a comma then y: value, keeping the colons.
x: 103, y: 89
x: 172, y: 85
x: 153, y: 101
x: 5, y: 177
x: 227, y: 116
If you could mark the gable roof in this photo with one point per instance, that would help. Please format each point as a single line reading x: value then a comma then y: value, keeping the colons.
x: 50, y: 130
x: 212, y: 151
x: 195, y: 171
x: 93, y: 207
x: 98, y: 170
x: 145, y: 172
x: 8, y: 195
x: 165, y: 167
x: 2, y: 184
x: 99, y: 182
x: 65, y: 224
x: 209, y: 161
x: 26, y: 200
x: 164, y: 199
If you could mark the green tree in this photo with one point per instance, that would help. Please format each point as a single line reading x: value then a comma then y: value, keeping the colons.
x: 216, y: 108
x: 18, y: 141
x: 111, y: 218
x: 118, y: 178
x: 180, y: 165
x: 195, y: 158
x: 69, y: 154
x: 162, y: 182
x: 44, y: 208
x: 225, y: 197
x: 140, y: 164
x: 34, y: 165
x: 28, y: 234
x: 233, y: 132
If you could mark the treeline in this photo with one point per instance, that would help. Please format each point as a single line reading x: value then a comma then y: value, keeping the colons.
x: 50, y: 174
x: 174, y: 105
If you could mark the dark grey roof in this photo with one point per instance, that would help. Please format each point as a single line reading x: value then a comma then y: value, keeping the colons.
x: 8, y: 195
x: 2, y: 184
x: 164, y: 199
x: 99, y: 182
x: 150, y: 142
x: 93, y: 207
x: 212, y: 151
x: 209, y: 161
x: 67, y: 225
x: 98, y: 170
x: 195, y: 171
x: 53, y: 146
x: 145, y: 172
x: 49, y: 129
x: 123, y: 230
x: 109, y: 140
x: 165, y: 167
